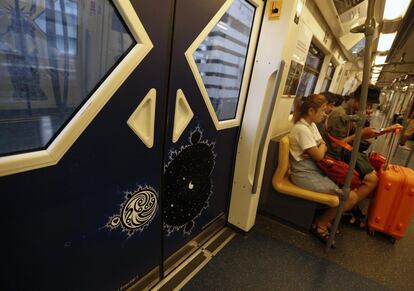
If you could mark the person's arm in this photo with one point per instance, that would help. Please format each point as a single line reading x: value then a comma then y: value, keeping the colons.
x: 367, y: 133
x: 317, y: 153
x: 390, y: 129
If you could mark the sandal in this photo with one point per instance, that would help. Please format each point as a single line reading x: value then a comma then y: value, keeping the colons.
x: 322, y: 234
x: 356, y: 219
x: 338, y: 232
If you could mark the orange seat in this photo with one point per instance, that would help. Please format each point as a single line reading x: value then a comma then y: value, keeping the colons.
x: 281, y: 181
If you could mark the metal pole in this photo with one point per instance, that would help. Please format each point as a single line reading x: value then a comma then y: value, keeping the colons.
x: 405, y: 119
x: 409, y: 158
x: 389, y: 105
x: 369, y: 34
x: 393, y: 110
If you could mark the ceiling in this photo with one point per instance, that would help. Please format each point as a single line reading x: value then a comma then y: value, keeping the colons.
x: 343, y: 15
x: 401, y: 55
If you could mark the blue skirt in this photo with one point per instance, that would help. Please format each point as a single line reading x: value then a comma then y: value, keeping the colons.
x: 306, y: 174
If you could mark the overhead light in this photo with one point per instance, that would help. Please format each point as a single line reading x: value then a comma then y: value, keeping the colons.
x: 395, y: 9
x: 299, y: 9
x: 385, y: 41
x: 380, y: 60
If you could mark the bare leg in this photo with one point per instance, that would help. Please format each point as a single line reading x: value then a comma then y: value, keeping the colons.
x: 323, y: 220
x: 368, y: 185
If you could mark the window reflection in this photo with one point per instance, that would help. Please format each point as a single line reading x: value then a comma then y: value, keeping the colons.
x: 314, y: 61
x: 221, y: 58
x: 53, y: 54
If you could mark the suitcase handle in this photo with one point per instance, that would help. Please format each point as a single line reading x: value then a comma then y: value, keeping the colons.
x: 396, y: 131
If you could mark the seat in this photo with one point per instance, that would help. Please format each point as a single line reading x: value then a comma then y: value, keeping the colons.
x: 281, y: 181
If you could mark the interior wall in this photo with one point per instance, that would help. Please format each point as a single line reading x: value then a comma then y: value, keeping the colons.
x: 278, y: 41
x: 274, y: 36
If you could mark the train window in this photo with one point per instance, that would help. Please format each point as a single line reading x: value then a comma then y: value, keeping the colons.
x: 311, y: 71
x: 221, y: 58
x: 53, y: 55
x: 328, y: 78
x: 358, y: 47
x: 292, y: 80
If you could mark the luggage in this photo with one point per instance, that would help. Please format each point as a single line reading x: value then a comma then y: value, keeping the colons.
x: 393, y: 203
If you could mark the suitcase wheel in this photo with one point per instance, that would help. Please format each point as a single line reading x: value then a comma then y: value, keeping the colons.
x: 371, y: 232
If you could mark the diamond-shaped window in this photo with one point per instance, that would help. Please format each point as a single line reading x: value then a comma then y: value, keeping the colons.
x: 221, y: 59
x: 60, y: 63
x: 53, y: 57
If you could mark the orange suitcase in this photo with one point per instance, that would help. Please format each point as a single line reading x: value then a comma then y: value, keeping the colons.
x: 393, y: 203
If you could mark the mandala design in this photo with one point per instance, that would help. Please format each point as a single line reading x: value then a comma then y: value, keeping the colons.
x: 136, y: 212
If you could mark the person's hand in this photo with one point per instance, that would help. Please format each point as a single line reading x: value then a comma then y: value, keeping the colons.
x: 396, y: 126
x: 369, y: 132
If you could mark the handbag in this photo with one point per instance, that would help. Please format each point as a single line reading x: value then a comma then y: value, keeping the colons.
x: 377, y: 160
x: 336, y: 170
x: 362, y: 165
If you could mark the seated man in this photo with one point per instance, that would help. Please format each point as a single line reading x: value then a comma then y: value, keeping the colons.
x: 339, y: 126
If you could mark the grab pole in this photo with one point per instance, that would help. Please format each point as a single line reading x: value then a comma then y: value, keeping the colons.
x: 406, y: 113
x: 368, y: 29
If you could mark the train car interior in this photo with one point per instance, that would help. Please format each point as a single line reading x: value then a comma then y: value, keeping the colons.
x: 207, y: 145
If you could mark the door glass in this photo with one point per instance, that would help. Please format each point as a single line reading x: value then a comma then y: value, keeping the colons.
x: 53, y: 55
x: 314, y: 61
x: 292, y: 80
x: 307, y: 84
x: 221, y: 58
x: 315, y: 57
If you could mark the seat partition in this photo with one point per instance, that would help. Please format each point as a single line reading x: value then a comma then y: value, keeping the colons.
x: 281, y: 180
x: 280, y: 198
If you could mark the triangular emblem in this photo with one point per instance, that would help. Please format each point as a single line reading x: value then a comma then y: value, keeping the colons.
x: 142, y: 120
x: 183, y: 115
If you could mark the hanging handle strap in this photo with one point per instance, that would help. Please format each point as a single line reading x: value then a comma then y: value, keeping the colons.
x: 340, y: 143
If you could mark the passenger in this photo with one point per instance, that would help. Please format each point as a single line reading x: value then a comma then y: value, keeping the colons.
x: 339, y: 126
x: 306, y: 147
x: 339, y: 100
x: 333, y: 101
x: 330, y: 105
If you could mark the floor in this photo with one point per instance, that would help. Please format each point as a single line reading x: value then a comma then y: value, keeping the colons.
x: 273, y: 256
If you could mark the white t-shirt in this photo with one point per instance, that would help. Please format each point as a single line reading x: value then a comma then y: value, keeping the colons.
x: 302, y: 137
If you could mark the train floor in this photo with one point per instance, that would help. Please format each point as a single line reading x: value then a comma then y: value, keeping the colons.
x: 273, y: 256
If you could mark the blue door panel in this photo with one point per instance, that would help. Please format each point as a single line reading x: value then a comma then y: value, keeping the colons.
x: 207, y: 206
x: 58, y: 230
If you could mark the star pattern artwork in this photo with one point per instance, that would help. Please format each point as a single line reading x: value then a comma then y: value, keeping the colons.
x: 188, y: 183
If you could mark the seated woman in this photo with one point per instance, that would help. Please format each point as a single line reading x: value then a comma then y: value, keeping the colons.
x: 306, y: 147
